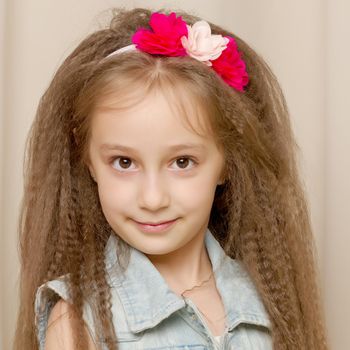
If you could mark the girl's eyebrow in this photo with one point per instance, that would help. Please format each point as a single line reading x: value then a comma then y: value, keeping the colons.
x: 185, y: 146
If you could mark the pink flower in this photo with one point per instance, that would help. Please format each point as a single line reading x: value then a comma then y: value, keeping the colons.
x: 165, y: 36
x: 171, y: 36
x: 230, y: 66
x: 201, y: 44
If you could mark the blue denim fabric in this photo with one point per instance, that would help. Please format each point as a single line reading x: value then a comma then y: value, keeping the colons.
x: 148, y: 315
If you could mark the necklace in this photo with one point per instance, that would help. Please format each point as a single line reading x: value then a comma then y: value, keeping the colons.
x: 198, y: 286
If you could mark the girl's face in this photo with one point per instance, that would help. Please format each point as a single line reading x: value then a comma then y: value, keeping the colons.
x: 150, y: 167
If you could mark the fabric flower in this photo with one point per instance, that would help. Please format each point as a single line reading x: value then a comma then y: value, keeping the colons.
x: 230, y: 66
x: 201, y: 44
x: 165, y: 36
x: 171, y: 36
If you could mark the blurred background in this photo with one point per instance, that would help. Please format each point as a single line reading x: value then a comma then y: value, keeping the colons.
x: 306, y: 43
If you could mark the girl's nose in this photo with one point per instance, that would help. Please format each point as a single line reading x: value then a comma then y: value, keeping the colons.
x: 153, y: 193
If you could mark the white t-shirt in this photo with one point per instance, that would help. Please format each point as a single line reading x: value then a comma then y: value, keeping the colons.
x: 218, y: 338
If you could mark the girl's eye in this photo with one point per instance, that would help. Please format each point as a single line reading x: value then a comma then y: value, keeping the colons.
x: 184, y: 161
x: 124, y: 162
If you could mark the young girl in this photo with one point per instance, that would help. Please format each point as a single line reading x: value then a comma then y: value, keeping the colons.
x: 163, y: 207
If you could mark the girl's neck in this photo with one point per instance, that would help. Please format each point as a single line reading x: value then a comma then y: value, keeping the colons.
x: 185, y: 267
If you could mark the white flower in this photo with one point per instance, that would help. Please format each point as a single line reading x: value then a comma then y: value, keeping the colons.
x: 201, y: 44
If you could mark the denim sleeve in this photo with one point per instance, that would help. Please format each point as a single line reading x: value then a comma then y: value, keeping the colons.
x: 46, y: 297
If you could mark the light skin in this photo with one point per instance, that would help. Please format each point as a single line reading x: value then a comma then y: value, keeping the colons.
x: 153, y: 183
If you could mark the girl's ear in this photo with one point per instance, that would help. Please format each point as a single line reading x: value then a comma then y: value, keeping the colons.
x: 91, y: 170
x: 92, y: 173
x: 93, y: 176
x: 221, y: 182
x: 222, y: 178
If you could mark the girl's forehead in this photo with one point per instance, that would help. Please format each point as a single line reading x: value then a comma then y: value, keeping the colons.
x: 159, y: 108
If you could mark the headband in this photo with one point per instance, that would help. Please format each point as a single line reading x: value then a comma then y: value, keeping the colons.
x: 171, y: 36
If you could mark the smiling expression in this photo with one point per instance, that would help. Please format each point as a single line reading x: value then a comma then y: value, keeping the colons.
x: 150, y: 168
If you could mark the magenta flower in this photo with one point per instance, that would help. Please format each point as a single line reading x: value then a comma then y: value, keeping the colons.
x: 171, y: 36
x: 230, y: 66
x: 165, y: 36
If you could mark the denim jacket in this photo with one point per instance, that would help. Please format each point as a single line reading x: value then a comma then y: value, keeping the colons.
x: 147, y: 314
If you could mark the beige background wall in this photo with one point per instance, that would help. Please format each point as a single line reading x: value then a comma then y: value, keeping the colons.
x: 305, y: 44
x: 2, y: 260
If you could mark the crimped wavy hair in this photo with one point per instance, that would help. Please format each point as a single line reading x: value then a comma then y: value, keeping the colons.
x: 260, y: 214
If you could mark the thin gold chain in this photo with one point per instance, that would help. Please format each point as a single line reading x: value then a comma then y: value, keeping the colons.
x: 198, y: 286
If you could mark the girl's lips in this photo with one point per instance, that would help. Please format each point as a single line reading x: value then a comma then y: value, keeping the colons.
x: 155, y: 228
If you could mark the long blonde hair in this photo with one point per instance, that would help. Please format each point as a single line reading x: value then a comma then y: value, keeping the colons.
x: 259, y: 215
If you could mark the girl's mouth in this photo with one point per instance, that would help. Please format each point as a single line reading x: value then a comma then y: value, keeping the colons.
x: 160, y: 227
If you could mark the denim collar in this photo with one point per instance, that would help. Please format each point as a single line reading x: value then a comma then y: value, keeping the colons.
x: 147, y: 298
